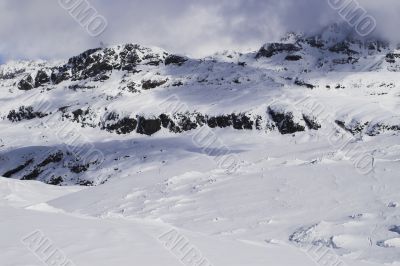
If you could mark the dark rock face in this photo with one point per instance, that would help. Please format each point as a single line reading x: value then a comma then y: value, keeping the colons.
x: 242, y: 121
x: 377, y: 45
x: 303, y: 84
x: 80, y: 114
x: 395, y: 229
x: 11, y: 75
x: 175, y: 60
x: 59, y: 75
x: 41, y: 78
x: 379, y: 128
x: 18, y: 169
x: 151, y: 84
x: 343, y: 61
x: 26, y: 83
x: 91, y: 64
x: 285, y: 122
x: 24, y: 113
x: 311, y: 122
x: 185, y: 122
x: 276, y: 48
x: 79, y: 168
x: 56, y: 181
x: 169, y: 124
x: 39, y: 169
x: 315, y: 42
x: 354, y: 129
x: 125, y: 125
x: 148, y: 126
x: 98, y: 63
x: 293, y: 58
x: 129, y: 57
x: 342, y: 48
x: 391, y: 57
x: 220, y: 121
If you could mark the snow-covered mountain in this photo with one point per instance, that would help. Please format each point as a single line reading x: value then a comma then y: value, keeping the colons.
x: 297, y: 142
x: 298, y: 85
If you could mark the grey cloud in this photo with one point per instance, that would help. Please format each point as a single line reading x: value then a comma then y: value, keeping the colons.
x: 34, y: 29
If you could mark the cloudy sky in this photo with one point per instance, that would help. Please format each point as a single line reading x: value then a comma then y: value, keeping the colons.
x: 32, y: 29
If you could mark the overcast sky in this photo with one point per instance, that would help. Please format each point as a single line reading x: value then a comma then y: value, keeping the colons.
x: 32, y: 29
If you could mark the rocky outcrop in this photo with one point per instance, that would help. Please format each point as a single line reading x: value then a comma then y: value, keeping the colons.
x: 151, y: 84
x: 59, y: 74
x: 311, y: 122
x: 392, y: 57
x: 113, y: 123
x: 24, y: 113
x: 343, y: 48
x: 175, y: 60
x: 293, y: 57
x: 304, y: 84
x: 354, y: 128
x: 272, y: 49
x: 26, y: 83
x: 41, y: 78
x: 148, y: 126
x: 285, y: 121
x: 17, y: 169
x: 38, y: 169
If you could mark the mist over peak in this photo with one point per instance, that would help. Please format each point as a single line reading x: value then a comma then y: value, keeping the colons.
x: 191, y: 27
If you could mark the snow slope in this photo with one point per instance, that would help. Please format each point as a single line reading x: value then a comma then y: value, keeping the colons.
x: 85, y: 240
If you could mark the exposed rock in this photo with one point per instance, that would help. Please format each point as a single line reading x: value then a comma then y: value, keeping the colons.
x: 129, y: 57
x: 284, y: 121
x: 242, y: 121
x: 125, y: 125
x: 41, y: 78
x: 354, y: 128
x: 91, y: 64
x: 39, y: 169
x: 221, y: 121
x: 303, y: 84
x: 311, y: 122
x: 16, y: 170
x: 55, y: 181
x: 148, y: 126
x: 151, y: 84
x: 24, y: 113
x: 26, y: 83
x: 59, y: 75
x: 175, y: 60
x: 391, y: 57
x: 79, y: 168
x: 342, y: 47
x: 169, y: 124
x: 11, y: 75
x: 276, y: 48
x: 315, y: 42
x: 293, y: 57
